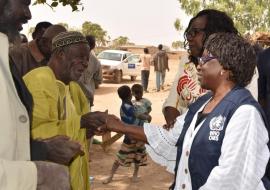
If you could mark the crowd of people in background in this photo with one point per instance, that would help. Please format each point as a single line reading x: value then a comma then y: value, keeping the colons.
x: 216, y: 134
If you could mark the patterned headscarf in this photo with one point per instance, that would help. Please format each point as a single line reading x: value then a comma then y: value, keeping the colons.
x: 64, y: 39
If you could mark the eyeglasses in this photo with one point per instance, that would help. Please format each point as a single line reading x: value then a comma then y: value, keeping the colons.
x: 193, y: 32
x: 203, y: 60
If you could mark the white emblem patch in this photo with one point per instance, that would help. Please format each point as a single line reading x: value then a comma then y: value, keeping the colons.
x: 216, y: 125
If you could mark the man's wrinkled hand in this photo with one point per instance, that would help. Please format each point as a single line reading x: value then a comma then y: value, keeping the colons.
x: 62, y: 150
x: 52, y: 176
x: 94, y: 119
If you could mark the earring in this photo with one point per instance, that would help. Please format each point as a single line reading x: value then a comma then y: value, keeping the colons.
x: 221, y: 73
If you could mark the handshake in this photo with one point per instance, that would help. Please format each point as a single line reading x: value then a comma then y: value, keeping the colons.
x: 98, y: 123
x: 95, y: 123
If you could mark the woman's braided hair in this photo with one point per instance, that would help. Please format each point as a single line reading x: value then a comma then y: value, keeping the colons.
x: 235, y: 54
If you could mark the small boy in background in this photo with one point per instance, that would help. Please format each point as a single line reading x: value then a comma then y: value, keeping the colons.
x: 142, y: 105
x: 131, y: 151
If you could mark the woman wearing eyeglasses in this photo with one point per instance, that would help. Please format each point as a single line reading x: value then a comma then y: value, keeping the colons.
x: 185, y: 88
x: 220, y: 143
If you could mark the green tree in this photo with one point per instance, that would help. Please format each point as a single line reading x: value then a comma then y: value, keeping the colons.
x: 177, y: 25
x: 248, y: 15
x: 120, y: 41
x: 95, y: 30
x: 177, y: 44
x: 74, y: 4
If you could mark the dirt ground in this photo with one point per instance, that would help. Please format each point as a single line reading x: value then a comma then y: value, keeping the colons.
x: 152, y: 176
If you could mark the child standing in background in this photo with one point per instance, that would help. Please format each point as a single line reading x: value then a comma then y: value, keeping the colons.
x: 131, y: 151
x: 142, y: 105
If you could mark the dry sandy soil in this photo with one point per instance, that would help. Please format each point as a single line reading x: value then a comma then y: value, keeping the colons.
x: 152, y: 176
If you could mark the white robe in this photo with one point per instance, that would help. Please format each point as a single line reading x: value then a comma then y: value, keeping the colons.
x: 244, y: 151
x: 16, y: 173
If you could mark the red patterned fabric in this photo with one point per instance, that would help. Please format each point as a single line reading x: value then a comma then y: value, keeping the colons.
x: 188, y: 87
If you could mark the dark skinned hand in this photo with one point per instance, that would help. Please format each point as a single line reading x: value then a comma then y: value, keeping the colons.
x: 170, y: 114
x: 62, y: 150
x: 93, y: 120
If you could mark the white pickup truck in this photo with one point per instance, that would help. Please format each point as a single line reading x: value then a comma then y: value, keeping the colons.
x: 116, y: 64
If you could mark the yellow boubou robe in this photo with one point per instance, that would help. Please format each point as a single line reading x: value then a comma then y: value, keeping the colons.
x: 57, y: 110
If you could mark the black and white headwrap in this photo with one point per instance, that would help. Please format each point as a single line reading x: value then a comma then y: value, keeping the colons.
x: 64, y: 39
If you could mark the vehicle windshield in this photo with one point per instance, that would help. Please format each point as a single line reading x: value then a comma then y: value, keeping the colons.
x: 110, y: 56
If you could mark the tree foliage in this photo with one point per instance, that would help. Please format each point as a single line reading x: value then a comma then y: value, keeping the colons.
x: 120, y: 41
x: 177, y: 44
x: 89, y: 28
x: 248, y: 15
x: 177, y: 25
x: 74, y: 4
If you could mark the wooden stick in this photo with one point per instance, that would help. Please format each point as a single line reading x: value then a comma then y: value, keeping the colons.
x: 109, y: 142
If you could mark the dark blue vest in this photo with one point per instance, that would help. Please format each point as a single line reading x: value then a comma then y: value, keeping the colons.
x: 206, y: 147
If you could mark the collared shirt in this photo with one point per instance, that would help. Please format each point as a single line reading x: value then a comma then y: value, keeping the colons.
x: 27, y: 57
x: 244, y: 151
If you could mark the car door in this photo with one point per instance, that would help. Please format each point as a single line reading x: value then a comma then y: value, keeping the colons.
x: 132, y: 65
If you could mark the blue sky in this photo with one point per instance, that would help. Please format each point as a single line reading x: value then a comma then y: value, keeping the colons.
x: 144, y: 22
